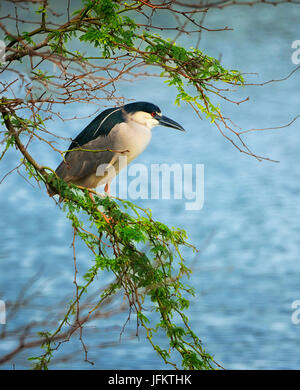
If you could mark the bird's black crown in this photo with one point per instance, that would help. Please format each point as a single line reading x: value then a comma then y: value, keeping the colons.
x: 141, y: 106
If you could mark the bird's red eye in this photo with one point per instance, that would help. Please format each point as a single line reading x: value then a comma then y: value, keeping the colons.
x: 153, y: 114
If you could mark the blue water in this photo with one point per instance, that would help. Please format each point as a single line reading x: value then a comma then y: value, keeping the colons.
x: 247, y: 272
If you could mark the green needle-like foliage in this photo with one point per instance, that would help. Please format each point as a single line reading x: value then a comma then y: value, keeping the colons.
x: 154, y: 275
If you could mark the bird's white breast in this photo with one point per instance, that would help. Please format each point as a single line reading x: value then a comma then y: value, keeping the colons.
x: 131, y: 136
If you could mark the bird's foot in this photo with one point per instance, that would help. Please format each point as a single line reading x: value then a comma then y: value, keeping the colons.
x: 106, y: 218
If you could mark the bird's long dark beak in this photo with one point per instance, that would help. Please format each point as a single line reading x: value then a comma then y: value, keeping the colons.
x: 165, y: 121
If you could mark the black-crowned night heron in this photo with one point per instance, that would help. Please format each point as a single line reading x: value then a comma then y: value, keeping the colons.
x: 121, y: 131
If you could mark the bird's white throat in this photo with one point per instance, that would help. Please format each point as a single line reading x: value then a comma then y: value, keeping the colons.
x: 143, y: 118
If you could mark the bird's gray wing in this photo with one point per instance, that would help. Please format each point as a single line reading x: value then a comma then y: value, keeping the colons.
x: 81, y: 163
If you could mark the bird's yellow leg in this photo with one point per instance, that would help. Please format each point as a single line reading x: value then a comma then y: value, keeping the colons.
x: 107, y: 219
x: 107, y: 189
